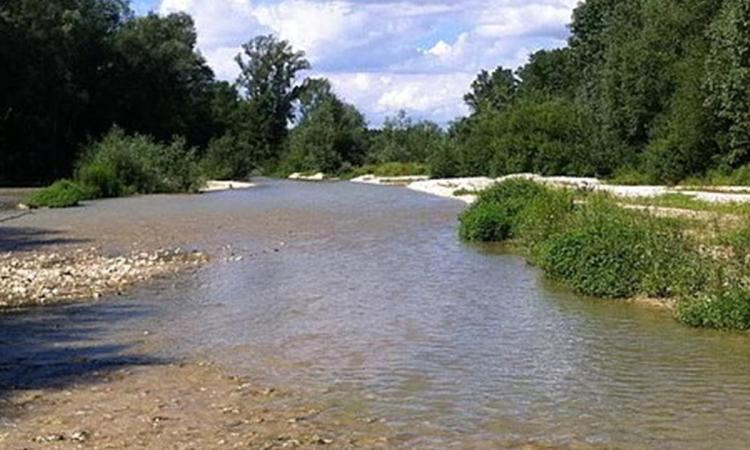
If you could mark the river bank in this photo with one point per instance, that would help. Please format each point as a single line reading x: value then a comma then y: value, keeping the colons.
x: 318, y: 293
x: 178, y: 406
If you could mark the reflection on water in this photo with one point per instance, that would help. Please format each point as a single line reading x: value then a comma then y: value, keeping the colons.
x: 366, y: 294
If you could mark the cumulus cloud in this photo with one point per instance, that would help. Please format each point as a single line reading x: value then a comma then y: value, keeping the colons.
x: 386, y: 55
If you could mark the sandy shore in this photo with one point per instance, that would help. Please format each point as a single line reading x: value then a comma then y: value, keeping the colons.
x: 465, y: 189
x: 177, y: 406
x: 218, y: 185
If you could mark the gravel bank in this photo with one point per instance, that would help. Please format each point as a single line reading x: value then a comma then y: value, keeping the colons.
x: 40, y: 278
x: 465, y: 189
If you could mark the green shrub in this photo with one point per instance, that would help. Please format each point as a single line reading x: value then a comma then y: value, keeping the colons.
x: 485, y: 222
x: 61, y: 194
x: 100, y: 180
x: 549, y: 213
x: 123, y: 165
x: 227, y: 157
x: 614, y: 253
x: 496, y: 213
x: 629, y: 175
x: 729, y: 309
x: 444, y: 161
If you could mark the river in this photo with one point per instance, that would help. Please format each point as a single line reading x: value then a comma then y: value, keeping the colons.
x: 365, y: 297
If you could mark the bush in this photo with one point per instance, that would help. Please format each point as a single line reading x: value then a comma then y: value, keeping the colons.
x: 613, y: 253
x: 124, y: 165
x: 100, y: 180
x: 495, y: 215
x: 729, y: 309
x: 444, y: 161
x: 226, y: 158
x: 549, y: 213
x: 61, y: 194
x: 486, y: 222
x: 629, y: 175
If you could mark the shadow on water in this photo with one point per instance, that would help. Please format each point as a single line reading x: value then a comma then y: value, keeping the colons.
x: 57, y: 346
x: 25, y: 238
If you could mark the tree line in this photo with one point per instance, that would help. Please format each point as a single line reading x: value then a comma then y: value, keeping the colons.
x: 645, y: 91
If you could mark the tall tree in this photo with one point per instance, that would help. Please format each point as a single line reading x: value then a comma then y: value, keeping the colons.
x: 728, y: 79
x: 492, y: 91
x: 269, y: 67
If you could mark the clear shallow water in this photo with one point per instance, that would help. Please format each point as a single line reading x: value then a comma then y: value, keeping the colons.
x: 365, y: 296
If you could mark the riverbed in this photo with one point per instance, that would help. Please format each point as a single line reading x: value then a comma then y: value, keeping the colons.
x: 363, y: 298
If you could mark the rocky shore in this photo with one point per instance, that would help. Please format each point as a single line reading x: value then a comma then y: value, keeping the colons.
x: 40, y: 278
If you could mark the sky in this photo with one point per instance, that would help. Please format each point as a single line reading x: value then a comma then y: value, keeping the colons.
x: 384, y: 55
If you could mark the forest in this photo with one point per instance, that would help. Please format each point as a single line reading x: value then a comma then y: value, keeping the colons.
x: 646, y: 91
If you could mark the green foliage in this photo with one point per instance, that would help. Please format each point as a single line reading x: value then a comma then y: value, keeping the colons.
x: 228, y: 157
x: 124, y: 165
x: 629, y: 175
x: 268, y: 68
x: 329, y: 136
x: 729, y: 77
x: 61, y: 194
x: 73, y: 68
x: 444, y: 161
x: 496, y: 213
x: 403, y: 140
x: 492, y: 92
x: 597, y: 248
x: 610, y: 252
x: 541, y: 135
x: 728, y: 310
x: 485, y: 222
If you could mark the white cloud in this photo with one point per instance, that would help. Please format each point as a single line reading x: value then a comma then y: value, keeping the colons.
x: 385, y: 55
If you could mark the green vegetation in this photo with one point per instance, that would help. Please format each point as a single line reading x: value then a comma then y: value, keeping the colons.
x: 647, y: 91
x: 61, y: 194
x: 496, y: 214
x: 121, y: 165
x: 599, y: 248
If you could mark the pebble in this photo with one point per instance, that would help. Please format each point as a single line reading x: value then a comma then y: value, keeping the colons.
x: 42, y: 277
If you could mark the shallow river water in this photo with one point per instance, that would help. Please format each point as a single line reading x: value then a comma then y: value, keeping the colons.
x: 364, y: 296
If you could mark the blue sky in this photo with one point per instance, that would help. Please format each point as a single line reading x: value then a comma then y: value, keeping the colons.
x: 384, y: 55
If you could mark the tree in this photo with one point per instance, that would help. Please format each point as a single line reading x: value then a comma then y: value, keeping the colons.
x: 549, y: 72
x: 728, y: 79
x: 268, y: 70
x: 403, y: 140
x: 51, y: 52
x: 492, y: 91
x: 330, y: 135
x: 164, y: 84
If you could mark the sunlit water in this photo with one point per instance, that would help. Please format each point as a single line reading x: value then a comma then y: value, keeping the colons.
x: 366, y: 296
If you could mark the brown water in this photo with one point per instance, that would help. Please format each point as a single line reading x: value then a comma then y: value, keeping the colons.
x: 365, y: 297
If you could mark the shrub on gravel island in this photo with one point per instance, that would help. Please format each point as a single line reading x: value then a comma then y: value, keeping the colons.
x: 124, y: 165
x: 61, y: 194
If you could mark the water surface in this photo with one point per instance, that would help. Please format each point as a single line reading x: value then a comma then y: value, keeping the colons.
x: 364, y: 296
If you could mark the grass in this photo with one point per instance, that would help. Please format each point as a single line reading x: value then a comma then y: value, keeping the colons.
x: 599, y: 248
